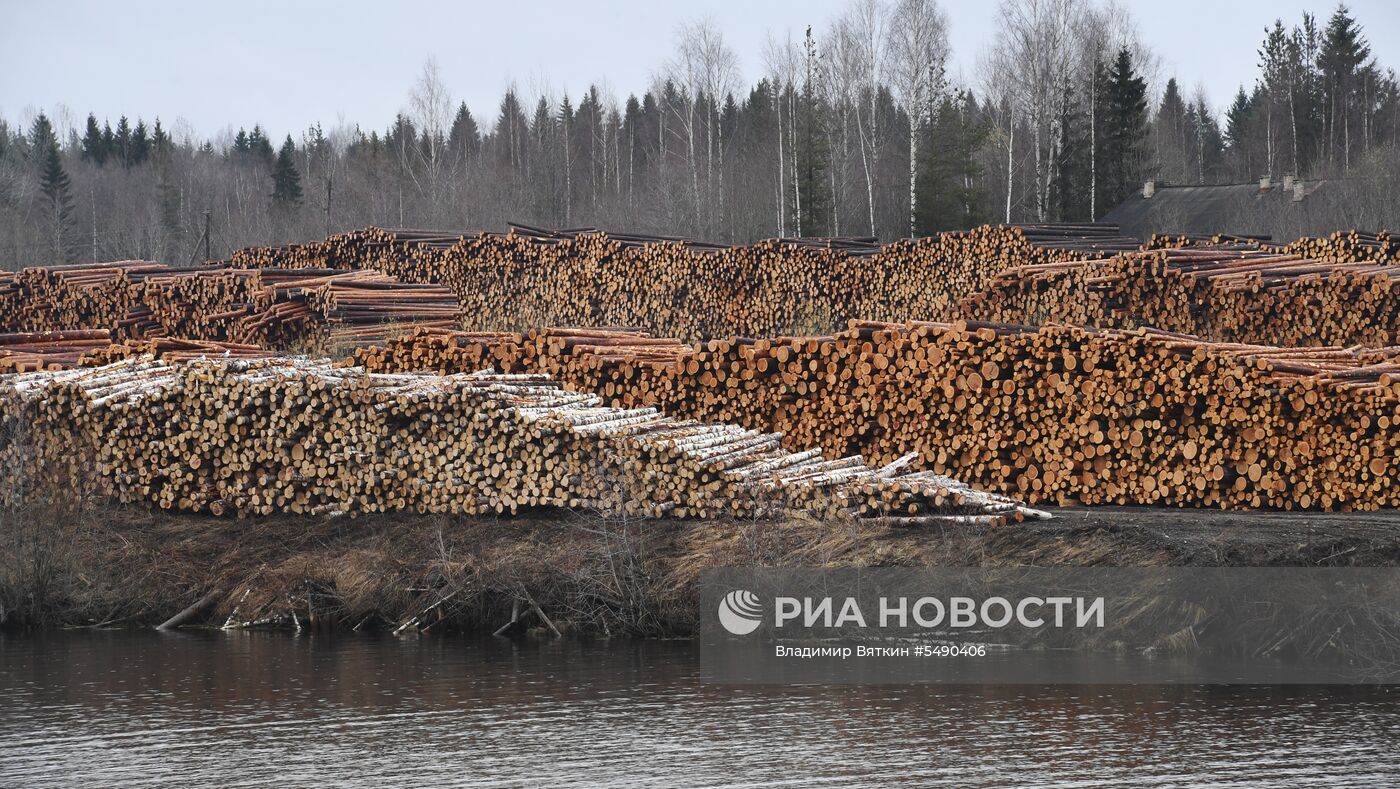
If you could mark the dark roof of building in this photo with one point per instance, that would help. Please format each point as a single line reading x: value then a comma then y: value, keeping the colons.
x: 1240, y: 209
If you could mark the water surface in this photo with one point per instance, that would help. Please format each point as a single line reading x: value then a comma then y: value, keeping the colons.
x: 270, y: 709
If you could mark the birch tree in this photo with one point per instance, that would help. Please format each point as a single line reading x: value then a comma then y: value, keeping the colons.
x: 837, y: 87
x: 707, y: 68
x: 430, y: 108
x: 784, y: 63
x: 918, y: 52
x: 1034, y: 42
x: 861, y: 44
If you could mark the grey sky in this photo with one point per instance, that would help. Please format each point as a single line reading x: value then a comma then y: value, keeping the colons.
x: 287, y: 65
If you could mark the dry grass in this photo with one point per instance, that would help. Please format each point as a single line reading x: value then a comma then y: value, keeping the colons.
x: 74, y: 562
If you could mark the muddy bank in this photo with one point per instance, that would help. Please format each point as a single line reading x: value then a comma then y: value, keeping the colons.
x: 94, y: 565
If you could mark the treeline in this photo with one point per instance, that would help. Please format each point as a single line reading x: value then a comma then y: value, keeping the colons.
x: 853, y: 129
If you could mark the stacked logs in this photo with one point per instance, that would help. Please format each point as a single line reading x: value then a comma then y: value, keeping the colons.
x: 272, y: 307
x: 56, y: 350
x: 65, y: 350
x: 1081, y: 274
x: 302, y: 436
x: 1348, y: 246
x: 533, y: 277
x: 1234, y: 292
x: 171, y: 349
x: 1064, y: 415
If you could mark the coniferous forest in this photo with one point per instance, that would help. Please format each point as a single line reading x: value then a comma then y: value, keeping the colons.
x: 852, y: 128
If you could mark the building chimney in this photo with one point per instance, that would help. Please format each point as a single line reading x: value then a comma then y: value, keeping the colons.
x: 1149, y: 188
x: 1265, y: 183
x: 1288, y: 183
x: 1298, y: 193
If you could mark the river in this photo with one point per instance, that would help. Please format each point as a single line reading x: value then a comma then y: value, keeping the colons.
x: 270, y: 709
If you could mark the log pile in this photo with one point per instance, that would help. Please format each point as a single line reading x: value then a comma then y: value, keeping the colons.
x: 1341, y: 246
x: 1232, y: 292
x: 1060, y: 415
x: 300, y: 435
x: 1334, y: 290
x: 57, y: 350
x: 1348, y: 246
x: 172, y: 349
x: 65, y: 350
x: 272, y: 307
x: 533, y: 277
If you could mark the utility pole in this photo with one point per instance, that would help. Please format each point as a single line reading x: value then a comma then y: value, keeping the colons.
x: 207, y: 256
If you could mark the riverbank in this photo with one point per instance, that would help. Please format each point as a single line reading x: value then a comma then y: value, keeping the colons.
x: 96, y: 565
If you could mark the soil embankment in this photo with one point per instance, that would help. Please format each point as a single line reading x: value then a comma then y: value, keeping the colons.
x: 104, y: 566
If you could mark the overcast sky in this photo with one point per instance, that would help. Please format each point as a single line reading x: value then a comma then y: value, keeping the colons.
x: 287, y: 65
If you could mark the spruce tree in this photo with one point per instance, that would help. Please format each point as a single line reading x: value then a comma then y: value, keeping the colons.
x: 1344, y: 50
x: 1170, y: 130
x: 160, y: 141
x: 93, y: 148
x: 286, y: 181
x: 464, y: 139
x: 140, y: 144
x: 41, y: 137
x: 54, y: 186
x: 260, y: 146
x: 1069, y: 199
x: 948, y: 168
x: 56, y: 196
x: 1237, y: 120
x: 1209, y: 148
x: 1127, y: 128
x: 564, y: 145
x: 121, y: 146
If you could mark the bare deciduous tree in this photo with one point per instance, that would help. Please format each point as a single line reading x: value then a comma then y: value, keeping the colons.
x: 1034, y: 52
x: 918, y: 52
x: 784, y: 64
x: 860, y: 46
x: 430, y: 108
x: 707, y: 68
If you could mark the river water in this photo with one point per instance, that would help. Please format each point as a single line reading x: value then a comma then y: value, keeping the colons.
x: 270, y: 709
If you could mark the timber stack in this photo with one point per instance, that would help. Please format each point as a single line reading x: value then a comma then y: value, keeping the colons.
x: 1227, y: 288
x: 55, y: 350
x: 1232, y: 292
x: 1051, y: 415
x: 271, y: 307
x: 1348, y: 246
x: 1340, y: 246
x: 303, y: 436
x: 692, y: 290
x: 64, y: 350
